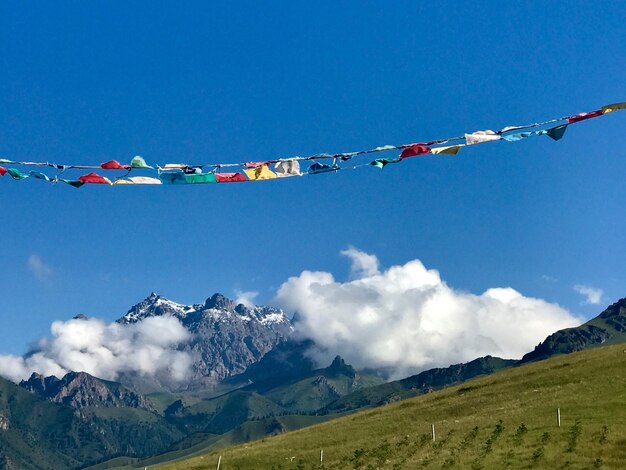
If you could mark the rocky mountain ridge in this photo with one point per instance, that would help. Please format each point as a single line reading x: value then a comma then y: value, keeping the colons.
x: 81, y: 390
x: 226, y: 337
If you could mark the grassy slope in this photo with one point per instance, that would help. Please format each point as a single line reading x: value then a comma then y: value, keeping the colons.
x: 588, y: 386
x: 251, y: 430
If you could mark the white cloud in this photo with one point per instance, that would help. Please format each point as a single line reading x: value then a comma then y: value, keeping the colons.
x: 105, y: 350
x: 408, y: 319
x: 592, y: 295
x: 39, y: 268
x: 246, y: 298
x: 363, y: 264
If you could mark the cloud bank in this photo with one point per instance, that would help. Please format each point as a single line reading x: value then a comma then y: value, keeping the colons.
x: 407, y: 319
x: 105, y: 350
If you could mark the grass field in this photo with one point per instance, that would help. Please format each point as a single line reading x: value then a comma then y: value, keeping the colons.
x: 506, y: 420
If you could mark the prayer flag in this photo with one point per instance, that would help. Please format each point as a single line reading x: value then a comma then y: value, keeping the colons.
x: 451, y: 150
x: 322, y: 168
x: 230, y: 177
x: 94, y: 178
x: 414, y: 150
x: 384, y: 148
x: 16, y: 174
x: 173, y: 177
x: 584, y: 116
x: 609, y: 108
x: 39, y: 175
x: 138, y: 162
x: 144, y: 180
x: 74, y: 183
x: 260, y: 173
x: 255, y: 164
x: 516, y: 137
x: 480, y: 137
x: 287, y: 168
x: 201, y: 178
x: 383, y: 162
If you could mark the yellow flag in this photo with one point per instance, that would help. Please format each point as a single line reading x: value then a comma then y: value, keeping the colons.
x: 260, y: 173
x: 451, y: 150
x: 609, y: 108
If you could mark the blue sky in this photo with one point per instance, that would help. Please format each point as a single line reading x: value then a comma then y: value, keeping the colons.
x: 85, y: 83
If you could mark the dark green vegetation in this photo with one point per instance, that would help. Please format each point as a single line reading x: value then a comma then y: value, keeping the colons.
x: 423, y: 382
x: 505, y: 420
x: 38, y: 434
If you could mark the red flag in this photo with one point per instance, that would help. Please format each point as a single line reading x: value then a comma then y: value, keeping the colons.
x: 414, y: 150
x: 114, y: 165
x: 583, y: 116
x: 230, y: 177
x: 94, y: 178
x: 3, y: 171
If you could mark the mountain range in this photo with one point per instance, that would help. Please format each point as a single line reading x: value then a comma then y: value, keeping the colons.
x: 250, y: 377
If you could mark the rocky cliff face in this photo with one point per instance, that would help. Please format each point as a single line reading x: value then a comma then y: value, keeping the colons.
x: 226, y: 338
x: 608, y: 327
x: 81, y: 390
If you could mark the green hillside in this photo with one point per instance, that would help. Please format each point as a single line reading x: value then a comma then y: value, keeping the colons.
x: 505, y: 420
x: 38, y: 434
x: 424, y: 382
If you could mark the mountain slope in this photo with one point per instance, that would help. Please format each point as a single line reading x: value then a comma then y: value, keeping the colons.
x: 505, y: 420
x: 421, y: 383
x: 607, y: 328
x: 38, y: 434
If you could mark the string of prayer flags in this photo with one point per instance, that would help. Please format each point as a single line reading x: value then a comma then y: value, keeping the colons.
x: 183, y: 173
